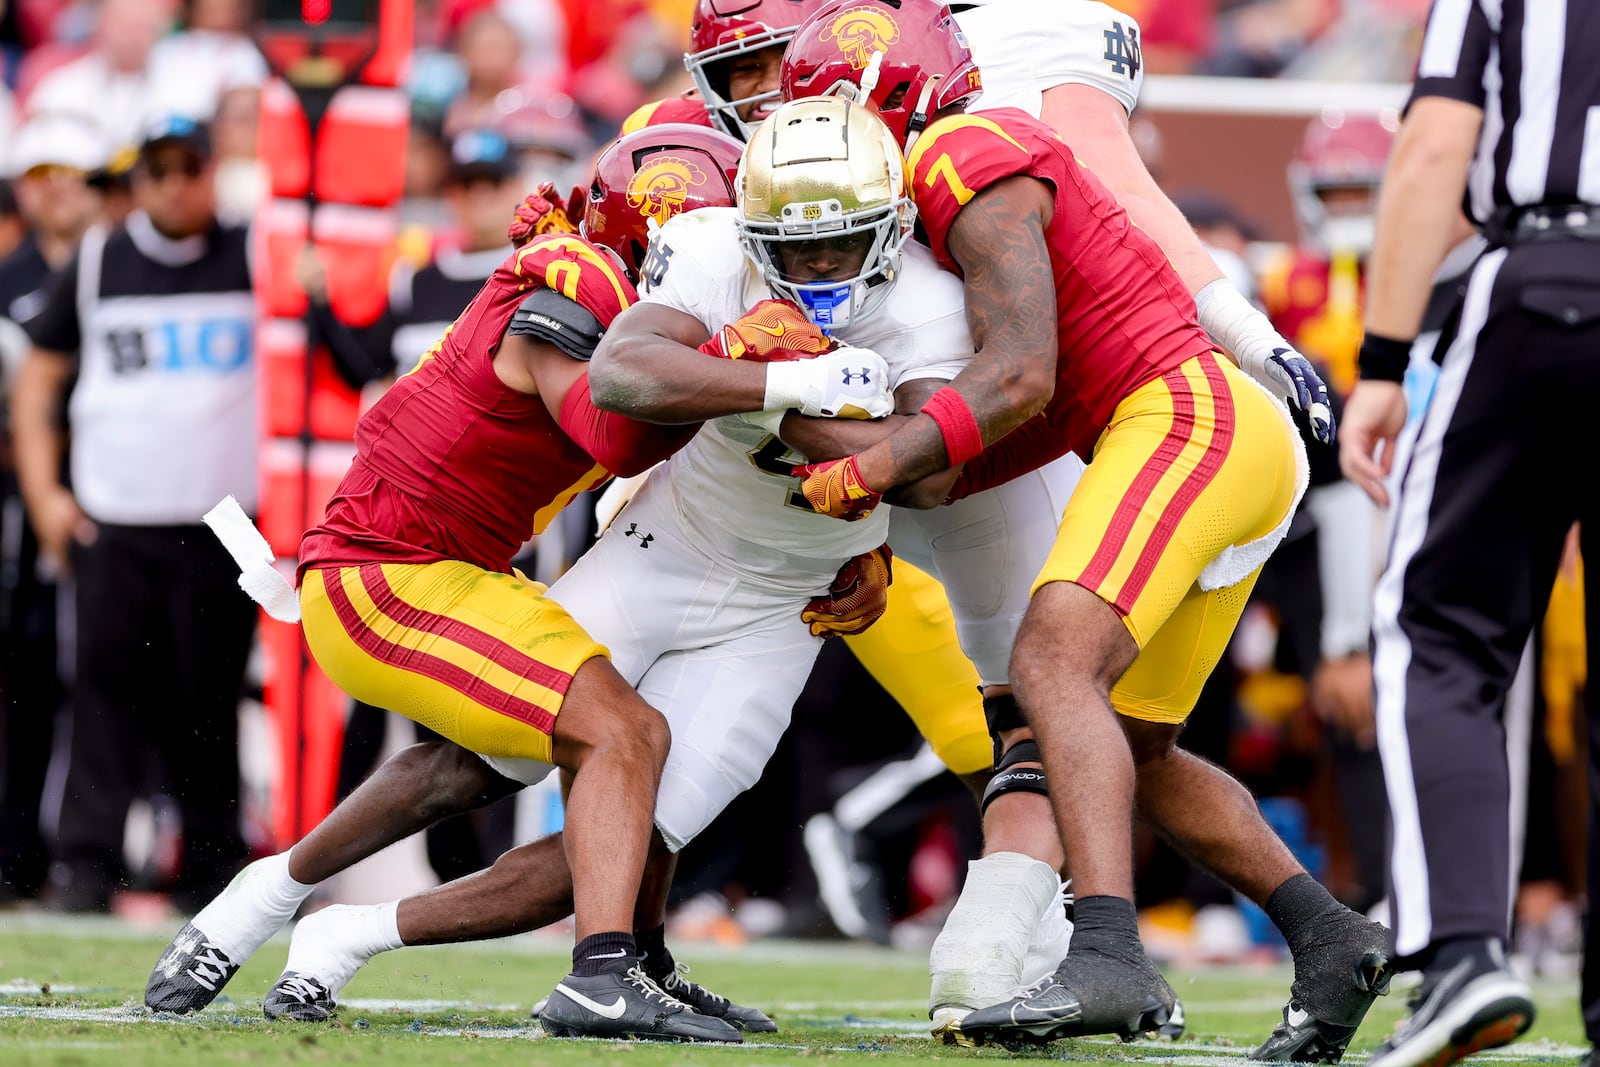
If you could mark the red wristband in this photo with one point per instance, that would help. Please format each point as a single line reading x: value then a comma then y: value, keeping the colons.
x: 962, y: 438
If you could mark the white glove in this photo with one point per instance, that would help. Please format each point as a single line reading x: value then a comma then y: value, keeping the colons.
x: 1264, y: 354
x: 846, y: 383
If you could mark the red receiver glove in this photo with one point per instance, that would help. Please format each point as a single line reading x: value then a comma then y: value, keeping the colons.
x: 774, y: 331
x: 836, y: 488
x: 542, y: 211
x: 857, y: 598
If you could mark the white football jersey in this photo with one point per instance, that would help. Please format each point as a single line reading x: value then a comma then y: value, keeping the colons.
x: 732, y: 483
x: 1023, y: 47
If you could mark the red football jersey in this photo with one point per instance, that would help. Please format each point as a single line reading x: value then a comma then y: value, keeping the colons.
x: 1124, y: 316
x: 452, y: 463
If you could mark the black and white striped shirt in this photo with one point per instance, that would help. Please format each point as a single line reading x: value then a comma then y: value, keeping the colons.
x: 1534, y: 68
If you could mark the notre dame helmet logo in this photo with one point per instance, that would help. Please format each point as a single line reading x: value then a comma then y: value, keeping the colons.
x: 862, y: 31
x: 659, y: 188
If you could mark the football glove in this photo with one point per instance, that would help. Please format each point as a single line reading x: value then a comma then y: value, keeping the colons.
x: 1263, y: 353
x: 770, y: 332
x: 836, y: 488
x: 846, y: 383
x: 857, y: 598
x: 1290, y: 375
x: 543, y: 211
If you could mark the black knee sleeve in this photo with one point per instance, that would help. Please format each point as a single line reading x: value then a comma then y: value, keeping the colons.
x: 1002, y: 713
x: 1009, y: 778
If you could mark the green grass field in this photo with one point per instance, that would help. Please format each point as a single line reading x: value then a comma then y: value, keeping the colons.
x: 70, y: 993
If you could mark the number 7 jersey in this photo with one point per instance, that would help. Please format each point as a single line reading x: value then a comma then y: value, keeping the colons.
x: 1124, y: 317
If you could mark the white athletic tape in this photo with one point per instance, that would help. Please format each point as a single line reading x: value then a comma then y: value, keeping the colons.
x: 259, y: 575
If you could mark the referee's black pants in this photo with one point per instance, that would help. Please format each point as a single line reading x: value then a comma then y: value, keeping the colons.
x: 1494, y: 473
x: 163, y: 636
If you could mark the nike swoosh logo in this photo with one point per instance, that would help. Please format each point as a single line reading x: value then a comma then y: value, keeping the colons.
x: 1297, y: 1018
x: 609, y: 955
x: 612, y: 1011
x: 770, y: 331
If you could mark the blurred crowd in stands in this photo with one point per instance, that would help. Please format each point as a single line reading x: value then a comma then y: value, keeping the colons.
x: 852, y: 831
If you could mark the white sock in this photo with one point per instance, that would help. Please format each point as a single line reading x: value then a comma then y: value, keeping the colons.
x: 1050, y: 941
x: 332, y: 944
x: 977, y: 958
x: 256, y: 905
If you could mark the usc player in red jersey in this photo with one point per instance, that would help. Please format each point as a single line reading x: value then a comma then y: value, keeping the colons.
x: 1087, y: 339
x: 735, y: 47
x: 409, y: 602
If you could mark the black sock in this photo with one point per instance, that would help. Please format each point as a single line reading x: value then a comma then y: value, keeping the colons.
x: 1105, y: 919
x: 1297, y: 905
x: 658, y: 961
x: 599, y: 953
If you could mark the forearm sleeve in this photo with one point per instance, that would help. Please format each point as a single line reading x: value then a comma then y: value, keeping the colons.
x: 621, y: 445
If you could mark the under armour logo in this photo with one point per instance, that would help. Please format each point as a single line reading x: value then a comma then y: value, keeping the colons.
x: 644, y: 538
x: 852, y: 375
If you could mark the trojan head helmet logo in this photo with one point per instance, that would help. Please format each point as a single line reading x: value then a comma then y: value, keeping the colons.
x: 659, y: 188
x: 862, y: 31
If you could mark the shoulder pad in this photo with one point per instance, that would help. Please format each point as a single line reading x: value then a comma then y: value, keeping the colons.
x: 551, y: 317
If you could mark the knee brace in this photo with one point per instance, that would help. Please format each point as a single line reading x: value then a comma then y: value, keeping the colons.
x: 1009, y: 778
x: 1002, y: 713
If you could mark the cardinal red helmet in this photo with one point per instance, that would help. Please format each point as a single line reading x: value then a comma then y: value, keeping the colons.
x: 925, y: 64
x: 650, y: 175
x: 1334, y: 178
x: 722, y: 31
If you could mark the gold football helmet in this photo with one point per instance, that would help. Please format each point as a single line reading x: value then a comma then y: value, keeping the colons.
x: 822, y: 182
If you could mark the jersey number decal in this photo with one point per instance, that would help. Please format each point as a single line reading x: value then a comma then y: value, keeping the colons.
x: 1122, y: 50
x: 655, y: 265
x: 944, y: 167
x: 768, y: 457
x: 562, y: 277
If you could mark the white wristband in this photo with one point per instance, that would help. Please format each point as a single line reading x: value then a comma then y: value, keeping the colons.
x: 1237, y: 325
x: 788, y: 384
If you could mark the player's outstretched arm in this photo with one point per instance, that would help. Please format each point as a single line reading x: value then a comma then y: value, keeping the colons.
x: 998, y: 241
x: 1096, y: 126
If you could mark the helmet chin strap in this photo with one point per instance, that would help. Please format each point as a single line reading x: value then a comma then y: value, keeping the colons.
x: 823, y: 306
x: 919, y: 114
x: 870, y: 76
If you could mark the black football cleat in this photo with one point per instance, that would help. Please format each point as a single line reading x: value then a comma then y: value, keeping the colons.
x: 1457, y: 1013
x: 300, y: 998
x: 705, y: 1002
x: 1335, y: 982
x: 189, y: 974
x: 626, y: 1004
x: 1092, y: 992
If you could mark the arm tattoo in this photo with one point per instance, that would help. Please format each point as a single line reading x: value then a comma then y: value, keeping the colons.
x: 998, y: 239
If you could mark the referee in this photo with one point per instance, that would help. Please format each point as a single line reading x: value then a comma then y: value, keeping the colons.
x: 1487, y: 481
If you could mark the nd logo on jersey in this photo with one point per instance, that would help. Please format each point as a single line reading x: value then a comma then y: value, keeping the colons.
x: 862, y: 31
x: 661, y: 186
